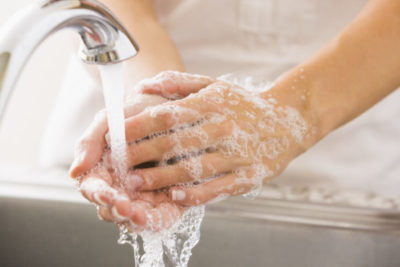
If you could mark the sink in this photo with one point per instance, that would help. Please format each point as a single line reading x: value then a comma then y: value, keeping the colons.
x: 54, y: 226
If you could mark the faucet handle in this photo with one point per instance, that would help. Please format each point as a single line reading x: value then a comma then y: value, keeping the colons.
x: 104, y: 39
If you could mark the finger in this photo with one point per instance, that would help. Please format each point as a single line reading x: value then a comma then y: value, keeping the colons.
x: 177, y: 143
x: 90, y: 186
x: 104, y: 213
x: 133, y: 227
x: 139, y: 210
x: 121, y: 209
x: 98, y: 192
x: 96, y: 183
x: 174, y: 85
x: 136, y: 103
x: 153, y: 198
x: 159, y: 120
x: 90, y: 148
x: 188, y: 170
x: 227, y: 185
x: 97, y: 187
x: 169, y: 116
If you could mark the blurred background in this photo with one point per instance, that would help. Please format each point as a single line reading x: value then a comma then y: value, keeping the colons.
x: 326, y: 232
x: 34, y: 96
x: 33, y: 99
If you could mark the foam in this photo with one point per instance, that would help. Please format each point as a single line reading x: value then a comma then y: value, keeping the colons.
x: 175, y: 243
x: 261, y: 131
x: 174, y: 239
x: 172, y: 79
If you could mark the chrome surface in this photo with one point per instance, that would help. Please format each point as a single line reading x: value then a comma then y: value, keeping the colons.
x: 104, y: 39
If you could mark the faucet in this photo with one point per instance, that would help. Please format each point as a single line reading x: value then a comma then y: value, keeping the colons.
x: 103, y: 38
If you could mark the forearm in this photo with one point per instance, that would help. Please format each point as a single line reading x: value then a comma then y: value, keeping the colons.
x: 352, y: 73
x: 157, y: 51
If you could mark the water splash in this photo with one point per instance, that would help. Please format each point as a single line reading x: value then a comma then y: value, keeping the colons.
x: 168, y: 247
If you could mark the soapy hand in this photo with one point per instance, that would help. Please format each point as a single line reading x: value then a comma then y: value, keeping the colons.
x: 217, y: 139
x: 98, y: 183
x: 221, y: 141
x: 136, y: 210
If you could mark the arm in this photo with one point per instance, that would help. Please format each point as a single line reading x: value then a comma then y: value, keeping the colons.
x: 244, y: 138
x: 157, y: 51
x: 349, y: 75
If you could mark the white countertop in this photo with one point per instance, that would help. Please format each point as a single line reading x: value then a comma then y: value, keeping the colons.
x: 32, y: 182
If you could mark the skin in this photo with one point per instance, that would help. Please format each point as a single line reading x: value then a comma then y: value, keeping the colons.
x: 349, y: 75
x: 157, y: 54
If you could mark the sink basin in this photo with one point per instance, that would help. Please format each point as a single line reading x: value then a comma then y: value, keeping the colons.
x: 54, y: 226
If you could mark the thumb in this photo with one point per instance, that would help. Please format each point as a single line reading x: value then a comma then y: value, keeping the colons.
x: 90, y: 148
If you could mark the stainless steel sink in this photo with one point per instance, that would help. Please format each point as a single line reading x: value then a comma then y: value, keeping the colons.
x: 54, y: 226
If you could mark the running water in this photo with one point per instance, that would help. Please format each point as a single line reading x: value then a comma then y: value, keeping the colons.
x: 168, y: 247
x: 113, y: 88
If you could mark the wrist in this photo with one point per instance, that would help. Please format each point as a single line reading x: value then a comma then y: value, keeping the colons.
x: 294, y: 89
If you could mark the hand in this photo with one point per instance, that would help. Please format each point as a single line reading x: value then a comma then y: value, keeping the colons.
x: 136, y: 210
x: 97, y: 183
x: 222, y: 141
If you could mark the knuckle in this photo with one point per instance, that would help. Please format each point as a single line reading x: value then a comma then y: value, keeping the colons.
x: 168, y: 74
x: 141, y: 86
x: 149, y: 181
x: 166, y: 119
x: 225, y: 129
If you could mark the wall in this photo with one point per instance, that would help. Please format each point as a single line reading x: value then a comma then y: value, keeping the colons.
x: 34, y: 95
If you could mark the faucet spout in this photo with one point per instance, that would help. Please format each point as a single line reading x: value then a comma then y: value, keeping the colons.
x: 104, y: 39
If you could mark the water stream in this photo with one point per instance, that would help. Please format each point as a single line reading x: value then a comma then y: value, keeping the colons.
x: 169, y: 247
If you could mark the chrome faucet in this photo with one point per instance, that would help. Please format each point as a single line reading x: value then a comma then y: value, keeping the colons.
x: 104, y: 39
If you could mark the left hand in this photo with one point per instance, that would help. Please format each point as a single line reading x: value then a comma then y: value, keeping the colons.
x: 136, y: 210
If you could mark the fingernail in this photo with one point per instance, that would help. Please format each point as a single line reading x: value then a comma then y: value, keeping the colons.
x: 117, y: 215
x: 178, y: 195
x: 97, y: 198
